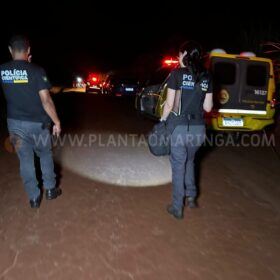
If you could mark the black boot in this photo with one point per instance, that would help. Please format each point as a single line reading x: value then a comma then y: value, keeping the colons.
x: 35, y: 203
x: 178, y: 214
x: 53, y: 193
x: 191, y: 202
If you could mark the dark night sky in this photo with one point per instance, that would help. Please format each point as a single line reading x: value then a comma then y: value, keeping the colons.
x: 89, y: 36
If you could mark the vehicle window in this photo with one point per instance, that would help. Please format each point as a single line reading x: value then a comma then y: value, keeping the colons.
x: 224, y: 73
x: 256, y: 75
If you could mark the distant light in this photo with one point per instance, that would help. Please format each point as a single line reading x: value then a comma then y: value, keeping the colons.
x: 93, y: 78
x: 170, y: 62
x: 220, y: 51
x: 248, y: 54
x: 79, y: 79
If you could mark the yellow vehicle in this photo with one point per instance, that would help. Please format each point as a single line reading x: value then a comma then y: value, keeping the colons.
x: 243, y: 92
x: 149, y: 102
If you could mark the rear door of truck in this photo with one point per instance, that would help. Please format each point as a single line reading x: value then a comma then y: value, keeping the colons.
x: 240, y: 85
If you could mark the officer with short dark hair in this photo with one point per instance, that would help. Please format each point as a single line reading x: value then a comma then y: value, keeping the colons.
x: 189, y: 94
x: 30, y: 111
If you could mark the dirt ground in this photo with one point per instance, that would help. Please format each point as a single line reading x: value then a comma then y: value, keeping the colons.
x: 106, y: 232
x: 96, y: 231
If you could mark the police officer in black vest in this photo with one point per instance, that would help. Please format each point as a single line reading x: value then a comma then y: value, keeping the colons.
x: 30, y: 111
x: 189, y: 94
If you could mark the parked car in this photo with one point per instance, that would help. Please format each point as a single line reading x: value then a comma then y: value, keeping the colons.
x: 150, y: 100
x: 121, y: 86
x: 93, y: 84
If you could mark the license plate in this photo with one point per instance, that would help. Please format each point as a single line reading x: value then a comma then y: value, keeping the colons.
x: 233, y: 122
x: 129, y: 89
x: 96, y: 87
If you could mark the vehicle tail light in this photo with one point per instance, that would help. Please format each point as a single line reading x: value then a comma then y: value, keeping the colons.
x: 273, y: 103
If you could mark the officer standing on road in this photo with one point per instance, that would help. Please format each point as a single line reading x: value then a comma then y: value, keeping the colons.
x: 189, y: 93
x: 30, y: 110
